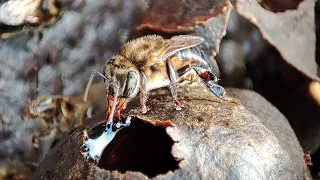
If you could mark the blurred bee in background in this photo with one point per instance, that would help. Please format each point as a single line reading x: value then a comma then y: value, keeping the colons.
x: 59, y: 115
x: 56, y: 110
x: 151, y: 62
x: 16, y: 172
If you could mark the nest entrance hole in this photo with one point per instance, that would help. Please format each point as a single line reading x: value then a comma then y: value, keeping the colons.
x: 142, y: 147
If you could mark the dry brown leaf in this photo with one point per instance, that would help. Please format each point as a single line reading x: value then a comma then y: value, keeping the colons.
x: 291, y: 32
x: 176, y: 16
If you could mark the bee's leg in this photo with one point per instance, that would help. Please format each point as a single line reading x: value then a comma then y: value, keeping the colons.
x: 173, y: 84
x: 14, y: 33
x: 9, y: 35
x: 183, y: 70
x: 143, y: 93
x: 217, y: 90
x: 210, y: 80
x: 181, y: 73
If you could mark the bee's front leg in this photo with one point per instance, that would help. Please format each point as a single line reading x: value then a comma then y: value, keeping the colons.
x: 143, y: 93
x: 173, y: 84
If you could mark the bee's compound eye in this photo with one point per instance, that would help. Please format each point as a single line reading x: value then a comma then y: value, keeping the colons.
x: 131, y: 84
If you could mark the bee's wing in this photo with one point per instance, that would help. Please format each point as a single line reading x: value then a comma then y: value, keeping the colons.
x: 178, y: 43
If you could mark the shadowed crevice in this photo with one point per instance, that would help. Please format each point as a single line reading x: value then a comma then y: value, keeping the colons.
x: 280, y: 6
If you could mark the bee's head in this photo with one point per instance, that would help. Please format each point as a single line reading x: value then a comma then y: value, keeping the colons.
x: 122, y: 73
x: 43, y: 107
x: 122, y: 82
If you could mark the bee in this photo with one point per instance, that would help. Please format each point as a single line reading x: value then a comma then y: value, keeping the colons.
x: 58, y: 116
x: 17, y: 171
x: 152, y: 62
x: 48, y: 107
x: 56, y: 112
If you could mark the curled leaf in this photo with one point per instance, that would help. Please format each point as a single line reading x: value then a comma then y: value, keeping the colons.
x: 291, y: 32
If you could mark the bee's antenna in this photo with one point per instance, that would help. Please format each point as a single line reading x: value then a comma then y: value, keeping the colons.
x: 85, y: 97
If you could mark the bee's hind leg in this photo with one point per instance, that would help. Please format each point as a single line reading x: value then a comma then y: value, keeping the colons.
x: 173, y: 84
x: 210, y: 80
x: 217, y: 90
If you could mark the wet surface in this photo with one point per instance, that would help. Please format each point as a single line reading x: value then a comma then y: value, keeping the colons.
x: 99, y: 138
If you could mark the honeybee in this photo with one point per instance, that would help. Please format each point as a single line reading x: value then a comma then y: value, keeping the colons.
x: 18, y: 171
x: 152, y: 62
x: 56, y: 110
x: 58, y: 115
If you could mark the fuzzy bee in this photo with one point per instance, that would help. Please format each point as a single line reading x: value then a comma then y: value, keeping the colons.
x: 152, y: 62
x: 49, y: 107
x: 56, y: 112
x: 58, y: 116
